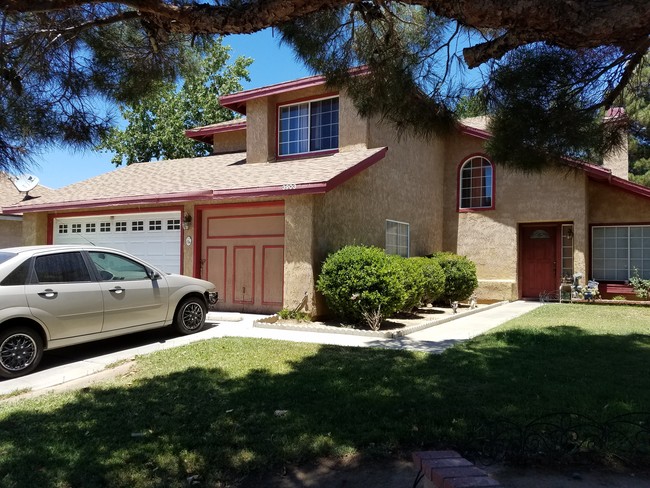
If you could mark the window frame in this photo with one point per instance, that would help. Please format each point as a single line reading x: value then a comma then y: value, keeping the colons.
x: 309, y: 101
x: 459, y: 185
x: 398, y: 246
x: 628, y: 258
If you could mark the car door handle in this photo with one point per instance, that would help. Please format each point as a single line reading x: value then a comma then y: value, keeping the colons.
x: 117, y: 290
x: 48, y: 293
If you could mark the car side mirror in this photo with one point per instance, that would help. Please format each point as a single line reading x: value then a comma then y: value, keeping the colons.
x: 153, y: 276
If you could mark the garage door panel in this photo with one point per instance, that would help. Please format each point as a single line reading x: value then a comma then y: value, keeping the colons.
x: 216, y: 266
x: 244, y: 277
x: 154, y: 237
x: 272, y: 274
x: 250, y: 243
x: 248, y: 225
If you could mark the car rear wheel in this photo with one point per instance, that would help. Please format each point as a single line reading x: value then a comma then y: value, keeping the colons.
x: 190, y: 315
x: 21, y: 349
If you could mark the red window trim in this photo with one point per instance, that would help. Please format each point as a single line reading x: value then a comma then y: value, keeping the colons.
x: 459, y: 169
x: 303, y: 155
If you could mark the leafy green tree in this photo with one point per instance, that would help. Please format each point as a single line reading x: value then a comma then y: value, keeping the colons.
x: 156, y: 124
x: 57, y: 55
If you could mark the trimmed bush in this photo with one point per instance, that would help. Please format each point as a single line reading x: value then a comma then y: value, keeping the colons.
x: 414, y: 281
x: 360, y: 282
x: 460, y: 277
x: 434, y: 285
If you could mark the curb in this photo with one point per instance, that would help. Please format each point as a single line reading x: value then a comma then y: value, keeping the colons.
x: 213, y: 317
x: 387, y: 334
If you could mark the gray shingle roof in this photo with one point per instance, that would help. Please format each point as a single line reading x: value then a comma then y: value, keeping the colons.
x: 218, y: 176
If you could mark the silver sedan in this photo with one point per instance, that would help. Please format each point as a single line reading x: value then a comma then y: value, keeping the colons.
x: 56, y: 296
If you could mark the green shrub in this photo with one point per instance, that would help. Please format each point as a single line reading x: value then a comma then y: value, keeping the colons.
x: 434, y: 285
x: 286, y: 314
x: 360, y: 282
x: 640, y: 286
x: 414, y: 281
x: 460, y: 277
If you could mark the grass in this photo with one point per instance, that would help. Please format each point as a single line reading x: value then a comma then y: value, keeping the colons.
x: 227, y: 408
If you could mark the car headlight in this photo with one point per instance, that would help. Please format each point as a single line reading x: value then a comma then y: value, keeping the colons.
x: 213, y: 297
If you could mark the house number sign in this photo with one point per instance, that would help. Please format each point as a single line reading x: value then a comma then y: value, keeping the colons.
x: 289, y: 186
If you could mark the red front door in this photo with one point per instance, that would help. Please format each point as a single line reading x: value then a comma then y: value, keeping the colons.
x: 539, y: 260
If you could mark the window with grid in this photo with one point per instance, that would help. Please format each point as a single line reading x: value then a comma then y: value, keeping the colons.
x: 63, y: 228
x: 616, y: 251
x: 76, y: 228
x: 308, y: 127
x: 137, y: 225
x: 174, y: 224
x: 397, y: 238
x: 476, y: 185
x: 90, y: 227
x: 155, y: 225
x: 104, y: 227
x: 120, y: 226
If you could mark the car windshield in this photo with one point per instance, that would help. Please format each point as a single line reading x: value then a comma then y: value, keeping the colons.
x: 6, y: 256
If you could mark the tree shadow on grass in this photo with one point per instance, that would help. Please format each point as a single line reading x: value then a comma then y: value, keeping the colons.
x: 210, y: 421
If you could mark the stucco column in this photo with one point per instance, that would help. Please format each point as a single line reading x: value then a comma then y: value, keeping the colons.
x: 34, y: 229
x: 299, y: 279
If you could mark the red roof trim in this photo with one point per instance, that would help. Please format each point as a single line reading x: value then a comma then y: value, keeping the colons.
x: 474, y: 132
x: 204, y: 134
x: 595, y: 172
x: 114, y: 202
x: 237, y: 101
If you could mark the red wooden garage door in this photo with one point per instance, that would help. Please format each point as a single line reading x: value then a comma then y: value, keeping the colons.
x: 242, y: 253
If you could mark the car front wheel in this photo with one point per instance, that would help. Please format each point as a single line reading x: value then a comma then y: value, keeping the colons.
x: 21, y: 349
x: 190, y: 315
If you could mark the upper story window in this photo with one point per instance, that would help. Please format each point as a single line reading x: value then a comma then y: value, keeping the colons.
x: 476, y: 184
x: 308, y: 127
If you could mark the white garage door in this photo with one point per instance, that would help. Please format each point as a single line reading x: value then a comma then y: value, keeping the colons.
x: 154, y: 237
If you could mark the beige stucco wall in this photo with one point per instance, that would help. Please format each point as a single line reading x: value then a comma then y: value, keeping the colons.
x: 34, y: 228
x: 299, y: 266
x: 490, y: 237
x: 628, y: 209
x: 231, y: 141
x: 11, y: 233
x: 404, y: 187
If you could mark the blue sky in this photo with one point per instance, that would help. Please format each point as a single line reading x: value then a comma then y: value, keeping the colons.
x: 272, y: 64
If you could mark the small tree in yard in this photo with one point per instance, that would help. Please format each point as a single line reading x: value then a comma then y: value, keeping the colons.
x: 362, y: 284
x: 460, y: 276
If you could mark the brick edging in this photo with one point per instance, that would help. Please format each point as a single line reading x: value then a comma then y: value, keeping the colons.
x: 448, y: 469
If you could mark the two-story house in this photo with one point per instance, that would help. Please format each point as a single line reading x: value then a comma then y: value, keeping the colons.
x: 303, y: 175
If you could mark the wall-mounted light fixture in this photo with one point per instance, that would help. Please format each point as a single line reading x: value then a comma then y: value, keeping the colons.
x: 187, y: 220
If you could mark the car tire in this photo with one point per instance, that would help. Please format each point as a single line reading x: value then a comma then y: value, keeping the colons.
x: 21, y: 350
x: 190, y: 315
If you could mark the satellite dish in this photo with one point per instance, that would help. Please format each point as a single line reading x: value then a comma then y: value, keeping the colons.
x: 24, y: 183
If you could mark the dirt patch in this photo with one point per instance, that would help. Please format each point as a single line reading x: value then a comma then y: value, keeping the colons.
x: 398, y: 325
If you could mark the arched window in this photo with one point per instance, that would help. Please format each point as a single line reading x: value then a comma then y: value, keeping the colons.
x: 476, y: 184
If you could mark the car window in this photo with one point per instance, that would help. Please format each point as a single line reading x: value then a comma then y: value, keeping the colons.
x: 5, y: 256
x: 61, y: 268
x: 113, y: 267
x: 18, y: 276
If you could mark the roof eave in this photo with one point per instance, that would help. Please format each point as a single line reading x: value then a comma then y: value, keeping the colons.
x: 205, y: 134
x: 111, y: 202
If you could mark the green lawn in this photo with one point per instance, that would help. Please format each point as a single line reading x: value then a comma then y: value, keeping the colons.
x: 225, y: 408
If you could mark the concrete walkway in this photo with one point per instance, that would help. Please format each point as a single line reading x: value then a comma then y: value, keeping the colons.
x: 433, y: 340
